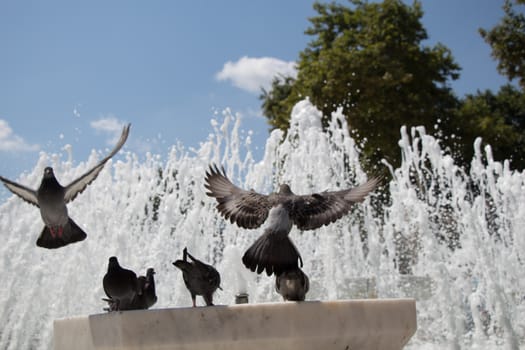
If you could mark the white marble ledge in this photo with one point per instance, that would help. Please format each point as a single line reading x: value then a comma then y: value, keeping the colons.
x: 344, y: 325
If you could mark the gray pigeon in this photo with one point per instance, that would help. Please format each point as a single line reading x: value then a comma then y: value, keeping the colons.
x: 51, y: 198
x: 273, y: 251
x: 199, y: 278
x: 292, y: 285
x: 121, y: 286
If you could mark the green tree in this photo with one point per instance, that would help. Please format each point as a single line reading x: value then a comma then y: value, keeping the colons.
x: 500, y: 121
x: 369, y: 59
x: 499, y: 118
x: 507, y: 40
x: 272, y: 106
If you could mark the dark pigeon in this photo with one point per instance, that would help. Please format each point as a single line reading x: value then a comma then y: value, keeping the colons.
x: 292, y: 285
x: 51, y: 198
x: 273, y: 251
x: 145, y: 299
x: 200, y: 278
x: 147, y: 286
x: 121, y: 286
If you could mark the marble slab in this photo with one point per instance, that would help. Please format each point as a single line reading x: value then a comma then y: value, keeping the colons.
x: 354, y: 324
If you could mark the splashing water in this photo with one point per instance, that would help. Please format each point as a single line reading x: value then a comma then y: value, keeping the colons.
x: 451, y: 239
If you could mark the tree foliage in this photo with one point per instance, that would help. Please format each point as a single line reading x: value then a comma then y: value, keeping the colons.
x: 507, y: 40
x: 500, y: 118
x: 272, y: 106
x: 500, y: 121
x: 369, y: 59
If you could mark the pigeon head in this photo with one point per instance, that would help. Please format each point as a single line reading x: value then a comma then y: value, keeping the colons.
x: 150, y: 281
x: 285, y: 189
x: 113, y: 262
x: 49, y: 181
x: 48, y: 173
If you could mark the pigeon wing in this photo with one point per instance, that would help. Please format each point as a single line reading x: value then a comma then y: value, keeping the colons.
x: 21, y: 191
x: 310, y: 212
x: 79, y: 185
x: 248, y: 209
x: 208, y: 272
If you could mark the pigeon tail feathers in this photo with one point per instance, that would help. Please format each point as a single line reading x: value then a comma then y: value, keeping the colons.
x: 71, y: 233
x: 273, y: 253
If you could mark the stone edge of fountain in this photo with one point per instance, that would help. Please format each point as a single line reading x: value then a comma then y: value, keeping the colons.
x: 344, y: 324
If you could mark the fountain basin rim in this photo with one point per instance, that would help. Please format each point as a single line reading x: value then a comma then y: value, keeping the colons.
x: 340, y: 324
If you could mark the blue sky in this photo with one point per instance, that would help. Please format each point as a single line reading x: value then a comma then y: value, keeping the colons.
x: 73, y: 72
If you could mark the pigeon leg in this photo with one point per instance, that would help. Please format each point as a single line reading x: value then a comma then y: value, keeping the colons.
x: 57, y: 231
x: 193, y: 299
x: 111, y: 304
x: 208, y: 298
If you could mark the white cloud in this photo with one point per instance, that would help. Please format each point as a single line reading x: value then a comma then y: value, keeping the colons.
x: 110, y: 125
x: 10, y: 142
x: 250, y: 73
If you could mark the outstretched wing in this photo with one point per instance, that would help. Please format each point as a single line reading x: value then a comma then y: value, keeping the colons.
x: 248, y: 209
x: 79, y: 185
x: 21, y: 191
x: 313, y: 211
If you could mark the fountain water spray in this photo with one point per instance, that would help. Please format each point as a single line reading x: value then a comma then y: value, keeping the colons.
x: 448, y: 237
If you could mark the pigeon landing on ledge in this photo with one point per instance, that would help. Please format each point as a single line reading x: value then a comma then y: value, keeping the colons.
x: 51, y: 198
x: 273, y: 251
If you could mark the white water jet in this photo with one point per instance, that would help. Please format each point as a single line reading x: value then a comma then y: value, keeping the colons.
x: 455, y: 236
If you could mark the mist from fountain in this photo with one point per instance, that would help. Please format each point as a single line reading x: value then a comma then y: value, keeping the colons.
x: 452, y: 239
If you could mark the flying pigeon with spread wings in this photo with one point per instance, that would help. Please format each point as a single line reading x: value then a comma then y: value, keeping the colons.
x: 51, y: 198
x: 273, y: 251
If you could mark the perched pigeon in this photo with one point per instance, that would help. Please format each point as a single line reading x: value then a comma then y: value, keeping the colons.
x: 292, y: 285
x: 273, y: 251
x: 145, y: 299
x: 147, y: 287
x: 200, y: 278
x: 51, y: 198
x: 121, y: 286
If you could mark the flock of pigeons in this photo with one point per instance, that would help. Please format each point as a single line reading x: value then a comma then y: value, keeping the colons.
x: 273, y: 252
x: 126, y: 291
